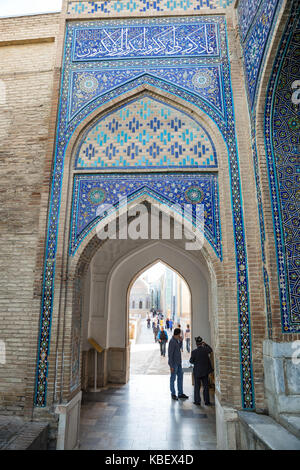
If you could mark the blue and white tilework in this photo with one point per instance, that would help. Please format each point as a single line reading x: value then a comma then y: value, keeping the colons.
x: 146, y: 133
x: 139, y: 41
x: 262, y: 236
x: 226, y: 124
x: 255, y: 37
x: 197, y: 79
x: 247, y: 10
x: 282, y: 140
x: 142, y: 6
x: 90, y: 191
x: 257, y: 19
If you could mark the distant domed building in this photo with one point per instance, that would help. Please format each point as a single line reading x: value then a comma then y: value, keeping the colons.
x: 139, y: 301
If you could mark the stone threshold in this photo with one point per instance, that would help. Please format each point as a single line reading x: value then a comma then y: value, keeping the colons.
x: 17, y: 434
x: 269, y: 434
x: 291, y: 422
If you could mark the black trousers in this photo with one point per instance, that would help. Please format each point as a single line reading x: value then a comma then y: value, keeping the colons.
x: 197, y: 385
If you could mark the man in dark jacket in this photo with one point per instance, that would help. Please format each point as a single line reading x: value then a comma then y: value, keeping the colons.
x: 202, y: 367
x: 175, y: 363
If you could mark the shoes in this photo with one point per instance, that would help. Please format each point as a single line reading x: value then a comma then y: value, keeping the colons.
x: 209, y: 404
x: 197, y: 403
x: 174, y: 397
x: 182, y: 396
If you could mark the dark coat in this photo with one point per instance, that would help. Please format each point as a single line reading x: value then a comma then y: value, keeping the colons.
x: 201, y: 361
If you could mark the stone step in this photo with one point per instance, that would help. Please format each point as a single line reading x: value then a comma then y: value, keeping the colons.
x: 17, y: 434
x: 263, y: 432
x: 291, y: 422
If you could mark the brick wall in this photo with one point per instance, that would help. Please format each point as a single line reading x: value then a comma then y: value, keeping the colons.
x: 27, y: 53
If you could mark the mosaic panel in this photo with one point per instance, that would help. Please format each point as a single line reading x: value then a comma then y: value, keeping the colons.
x: 282, y: 138
x: 247, y: 10
x: 262, y: 235
x: 205, y: 81
x: 140, y: 41
x: 76, y: 336
x: 255, y: 44
x: 93, y: 190
x: 141, y: 6
x: 192, y: 73
x: 146, y: 133
x: 257, y: 20
x: 226, y: 125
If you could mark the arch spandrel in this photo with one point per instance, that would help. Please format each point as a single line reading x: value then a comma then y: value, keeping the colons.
x: 168, y: 193
x: 151, y: 185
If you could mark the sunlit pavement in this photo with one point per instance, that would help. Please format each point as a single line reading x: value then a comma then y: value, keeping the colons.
x: 145, y: 355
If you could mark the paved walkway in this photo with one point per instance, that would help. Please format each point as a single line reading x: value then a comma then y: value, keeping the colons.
x: 145, y: 355
x: 141, y: 414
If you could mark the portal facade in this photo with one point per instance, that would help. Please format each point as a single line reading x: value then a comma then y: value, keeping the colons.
x: 170, y: 106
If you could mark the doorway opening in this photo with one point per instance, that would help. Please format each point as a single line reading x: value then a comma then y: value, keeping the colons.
x: 159, y: 301
x: 133, y: 408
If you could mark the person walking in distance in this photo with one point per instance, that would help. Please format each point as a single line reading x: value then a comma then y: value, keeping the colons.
x: 202, y: 368
x: 155, y: 330
x: 187, y: 337
x: 175, y: 363
x: 181, y: 336
x: 163, y: 339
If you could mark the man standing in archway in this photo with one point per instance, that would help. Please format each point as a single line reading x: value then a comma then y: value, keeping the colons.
x: 175, y: 363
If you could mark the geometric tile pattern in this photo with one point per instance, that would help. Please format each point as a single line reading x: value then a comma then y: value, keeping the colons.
x: 282, y: 138
x: 257, y: 19
x: 256, y: 38
x: 262, y: 234
x: 146, y: 133
x: 168, y: 189
x: 134, y: 6
x: 89, y: 82
x: 226, y: 125
x: 76, y: 336
x: 247, y: 10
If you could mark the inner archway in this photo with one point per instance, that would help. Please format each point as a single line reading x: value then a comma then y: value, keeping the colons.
x: 130, y: 407
x: 159, y: 301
